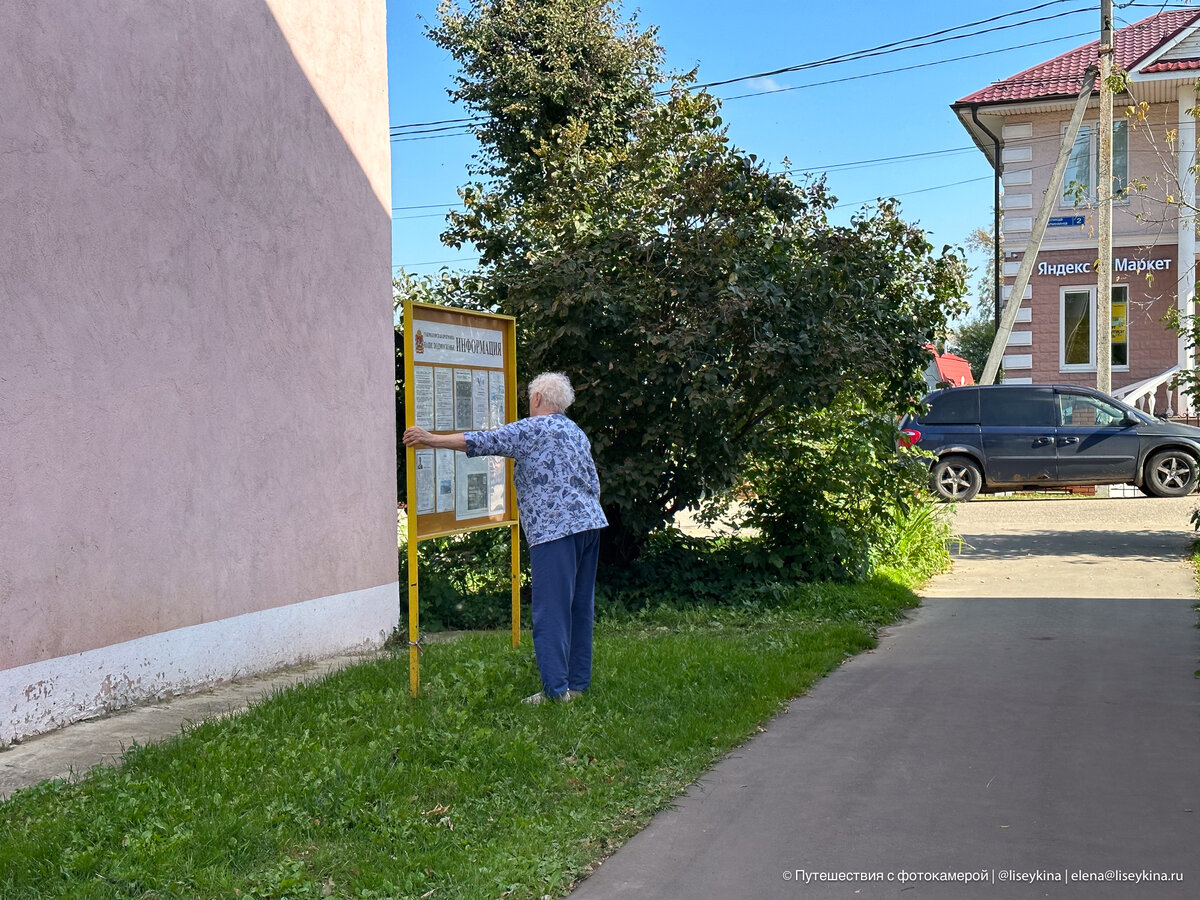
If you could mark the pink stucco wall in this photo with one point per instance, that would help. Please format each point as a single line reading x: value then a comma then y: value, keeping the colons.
x: 196, y: 407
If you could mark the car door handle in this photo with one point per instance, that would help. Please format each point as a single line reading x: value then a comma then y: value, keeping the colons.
x: 1069, y: 440
x: 1042, y: 441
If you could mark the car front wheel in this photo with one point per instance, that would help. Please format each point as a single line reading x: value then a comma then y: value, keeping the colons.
x: 1171, y: 473
x: 956, y: 478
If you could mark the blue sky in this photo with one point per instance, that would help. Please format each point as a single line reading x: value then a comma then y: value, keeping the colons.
x: 835, y: 128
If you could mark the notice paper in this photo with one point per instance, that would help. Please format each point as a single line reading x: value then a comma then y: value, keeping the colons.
x: 443, y: 380
x: 497, y: 470
x: 472, y: 483
x: 426, y: 496
x: 463, y: 404
x: 423, y: 398
x: 479, y: 393
x: 496, y: 399
x: 445, y: 480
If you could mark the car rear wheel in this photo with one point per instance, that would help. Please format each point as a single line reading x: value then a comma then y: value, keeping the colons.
x: 1171, y: 473
x: 956, y: 478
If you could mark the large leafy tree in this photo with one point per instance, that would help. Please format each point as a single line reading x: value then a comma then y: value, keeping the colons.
x: 973, y: 341
x: 530, y: 68
x: 691, y: 295
x: 972, y: 336
x: 981, y: 240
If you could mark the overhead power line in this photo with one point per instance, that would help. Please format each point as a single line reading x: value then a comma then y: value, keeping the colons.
x: 456, y: 127
x: 426, y: 206
x: 438, y: 122
x: 409, y: 128
x: 440, y: 215
x: 792, y: 170
x: 936, y: 187
x: 925, y: 40
x: 462, y: 126
x: 397, y: 133
x: 881, y: 161
x: 430, y: 137
x: 463, y: 130
x: 925, y: 190
x: 436, y: 262
x: 925, y: 65
x: 795, y: 170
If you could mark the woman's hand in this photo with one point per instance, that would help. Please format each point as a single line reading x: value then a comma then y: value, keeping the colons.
x: 417, y: 435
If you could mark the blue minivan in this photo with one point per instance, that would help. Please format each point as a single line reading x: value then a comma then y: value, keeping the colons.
x: 1006, y: 437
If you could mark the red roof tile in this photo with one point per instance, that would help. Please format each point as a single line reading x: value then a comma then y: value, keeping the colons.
x: 1063, y: 75
x: 1173, y: 65
x: 953, y: 369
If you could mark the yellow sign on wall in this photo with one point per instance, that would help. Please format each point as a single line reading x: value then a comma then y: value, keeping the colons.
x: 460, y: 374
x: 1120, y: 320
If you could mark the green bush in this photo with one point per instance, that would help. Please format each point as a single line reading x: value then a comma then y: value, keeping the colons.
x: 682, y: 572
x: 830, y: 496
x: 465, y: 581
x: 916, y: 542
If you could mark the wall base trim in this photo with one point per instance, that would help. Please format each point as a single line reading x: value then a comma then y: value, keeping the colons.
x: 49, y: 694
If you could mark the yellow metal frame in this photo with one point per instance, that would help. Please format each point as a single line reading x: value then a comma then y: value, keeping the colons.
x: 414, y: 534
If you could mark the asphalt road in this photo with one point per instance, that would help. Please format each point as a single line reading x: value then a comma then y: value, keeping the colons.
x: 1034, y: 726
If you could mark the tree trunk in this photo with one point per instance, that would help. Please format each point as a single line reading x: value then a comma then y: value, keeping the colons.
x: 619, y: 545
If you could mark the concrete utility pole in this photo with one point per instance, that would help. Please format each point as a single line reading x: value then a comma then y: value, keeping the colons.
x: 1049, y: 202
x: 1104, y: 192
x: 1186, y: 231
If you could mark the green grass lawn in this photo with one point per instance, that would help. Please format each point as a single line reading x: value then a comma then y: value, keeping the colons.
x: 350, y: 788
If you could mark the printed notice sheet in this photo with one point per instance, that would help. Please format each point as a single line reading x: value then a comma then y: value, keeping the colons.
x: 479, y: 392
x: 496, y: 398
x: 425, y: 482
x: 497, y: 469
x: 423, y: 399
x: 443, y: 381
x: 472, y: 483
x: 445, y: 480
x: 463, y: 404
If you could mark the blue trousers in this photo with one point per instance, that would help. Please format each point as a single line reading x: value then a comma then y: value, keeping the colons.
x: 564, y: 592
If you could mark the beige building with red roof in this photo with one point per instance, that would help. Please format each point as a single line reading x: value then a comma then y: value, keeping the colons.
x: 1019, y: 123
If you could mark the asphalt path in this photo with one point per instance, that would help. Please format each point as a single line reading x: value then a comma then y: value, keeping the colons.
x: 1033, y: 730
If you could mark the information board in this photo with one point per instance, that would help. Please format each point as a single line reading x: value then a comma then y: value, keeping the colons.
x: 460, y: 375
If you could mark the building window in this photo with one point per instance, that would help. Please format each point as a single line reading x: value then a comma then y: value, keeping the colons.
x: 1077, y: 329
x: 1083, y: 165
x: 1077, y: 317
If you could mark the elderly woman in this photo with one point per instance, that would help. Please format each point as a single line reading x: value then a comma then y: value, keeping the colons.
x: 558, y: 499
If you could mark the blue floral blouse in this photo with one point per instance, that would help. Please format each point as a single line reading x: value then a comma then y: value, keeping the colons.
x: 558, y: 493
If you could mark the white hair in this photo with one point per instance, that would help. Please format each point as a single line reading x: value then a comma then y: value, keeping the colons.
x: 555, y: 389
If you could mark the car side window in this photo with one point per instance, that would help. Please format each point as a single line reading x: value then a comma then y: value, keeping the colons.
x: 1017, y: 406
x: 1086, y: 411
x: 956, y: 406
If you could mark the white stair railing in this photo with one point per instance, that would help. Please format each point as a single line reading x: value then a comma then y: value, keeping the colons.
x: 1142, y: 394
